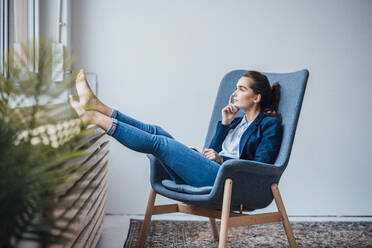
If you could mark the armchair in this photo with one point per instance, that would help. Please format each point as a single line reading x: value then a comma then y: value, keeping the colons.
x: 240, y: 185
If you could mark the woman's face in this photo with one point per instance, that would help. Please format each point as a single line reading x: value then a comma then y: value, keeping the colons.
x: 244, y: 97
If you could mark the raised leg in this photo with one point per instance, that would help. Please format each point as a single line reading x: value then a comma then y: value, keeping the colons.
x: 286, y: 224
x: 180, y: 162
x: 150, y: 128
x: 147, y: 220
x: 225, y: 213
x: 185, y: 162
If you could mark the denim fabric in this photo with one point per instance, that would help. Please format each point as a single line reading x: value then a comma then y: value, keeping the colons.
x: 183, y: 164
x: 112, y: 128
x: 114, y: 113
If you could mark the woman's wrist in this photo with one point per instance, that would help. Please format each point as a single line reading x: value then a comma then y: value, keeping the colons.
x: 223, y: 122
x: 220, y: 160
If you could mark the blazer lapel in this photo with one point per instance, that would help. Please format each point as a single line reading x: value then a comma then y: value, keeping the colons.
x: 247, y: 133
x: 236, y: 122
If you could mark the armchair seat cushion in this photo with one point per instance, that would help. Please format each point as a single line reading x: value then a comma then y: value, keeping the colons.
x: 184, y: 188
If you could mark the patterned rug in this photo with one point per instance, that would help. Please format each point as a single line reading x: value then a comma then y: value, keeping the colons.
x: 165, y: 233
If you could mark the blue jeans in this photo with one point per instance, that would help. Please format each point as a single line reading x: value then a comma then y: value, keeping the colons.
x: 183, y: 164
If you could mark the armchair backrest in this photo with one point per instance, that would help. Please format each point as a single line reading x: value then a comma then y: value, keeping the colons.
x: 293, y: 87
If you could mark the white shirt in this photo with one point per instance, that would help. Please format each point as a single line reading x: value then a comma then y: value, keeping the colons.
x: 230, y: 146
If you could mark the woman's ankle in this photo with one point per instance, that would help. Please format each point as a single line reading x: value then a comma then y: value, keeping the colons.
x: 96, y: 118
x: 101, y: 120
x: 95, y: 104
x: 104, y: 109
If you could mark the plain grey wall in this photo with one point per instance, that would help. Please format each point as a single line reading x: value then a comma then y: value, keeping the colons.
x: 162, y: 61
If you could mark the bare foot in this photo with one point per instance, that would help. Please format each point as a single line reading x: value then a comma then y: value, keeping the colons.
x: 88, y: 100
x: 87, y: 117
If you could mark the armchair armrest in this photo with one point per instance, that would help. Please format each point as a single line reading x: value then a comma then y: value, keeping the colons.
x: 157, y: 172
x: 241, y: 170
x: 249, y: 166
x: 251, y: 182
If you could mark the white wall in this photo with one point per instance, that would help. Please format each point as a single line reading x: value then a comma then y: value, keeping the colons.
x: 49, y: 17
x: 162, y: 61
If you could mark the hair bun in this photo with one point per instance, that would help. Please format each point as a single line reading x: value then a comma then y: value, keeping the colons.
x: 276, y: 84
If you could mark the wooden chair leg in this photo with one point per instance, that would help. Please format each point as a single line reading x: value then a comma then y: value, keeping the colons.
x: 212, y: 222
x: 281, y: 208
x: 225, y: 213
x: 147, y: 220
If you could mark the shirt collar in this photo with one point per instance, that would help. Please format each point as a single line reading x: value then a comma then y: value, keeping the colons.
x: 244, y: 122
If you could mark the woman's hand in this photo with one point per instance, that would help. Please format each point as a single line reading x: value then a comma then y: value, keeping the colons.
x: 228, y: 112
x: 212, y: 155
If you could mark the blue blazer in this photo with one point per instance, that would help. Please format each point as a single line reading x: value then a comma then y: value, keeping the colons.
x: 261, y: 141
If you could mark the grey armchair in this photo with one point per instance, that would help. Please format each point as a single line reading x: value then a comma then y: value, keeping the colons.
x: 240, y: 185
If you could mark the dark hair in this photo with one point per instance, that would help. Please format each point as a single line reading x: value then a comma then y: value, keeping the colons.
x: 270, y: 95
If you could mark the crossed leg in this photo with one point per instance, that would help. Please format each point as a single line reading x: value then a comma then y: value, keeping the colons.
x: 183, y: 164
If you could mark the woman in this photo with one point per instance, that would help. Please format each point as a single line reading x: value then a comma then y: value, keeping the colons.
x: 255, y: 136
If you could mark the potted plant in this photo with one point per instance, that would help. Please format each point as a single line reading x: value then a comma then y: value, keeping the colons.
x: 38, y: 140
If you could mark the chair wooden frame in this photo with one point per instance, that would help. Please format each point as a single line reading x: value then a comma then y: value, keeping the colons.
x: 228, y: 218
